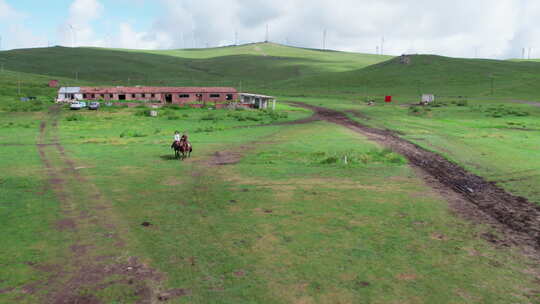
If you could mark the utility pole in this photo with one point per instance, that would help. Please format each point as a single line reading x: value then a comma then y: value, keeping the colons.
x: 382, y: 46
x: 377, y: 50
x: 523, y: 53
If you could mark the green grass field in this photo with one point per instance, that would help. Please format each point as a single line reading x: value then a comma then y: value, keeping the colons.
x: 287, y: 223
x: 263, y: 212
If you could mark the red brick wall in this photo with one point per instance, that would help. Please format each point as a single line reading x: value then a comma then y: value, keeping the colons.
x: 161, y: 97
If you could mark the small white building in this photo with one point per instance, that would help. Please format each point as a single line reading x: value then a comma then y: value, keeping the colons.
x: 258, y: 101
x: 428, y: 98
x: 69, y: 94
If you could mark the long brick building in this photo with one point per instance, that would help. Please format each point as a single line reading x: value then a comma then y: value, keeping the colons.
x: 170, y: 95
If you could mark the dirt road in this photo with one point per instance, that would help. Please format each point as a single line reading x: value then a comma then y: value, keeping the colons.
x: 518, y: 219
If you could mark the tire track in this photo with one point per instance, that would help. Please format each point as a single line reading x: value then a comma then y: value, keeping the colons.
x: 472, y: 196
x: 89, y: 268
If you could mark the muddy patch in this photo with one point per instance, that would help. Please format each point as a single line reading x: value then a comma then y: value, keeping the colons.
x: 222, y: 158
x: 172, y: 294
x: 65, y: 225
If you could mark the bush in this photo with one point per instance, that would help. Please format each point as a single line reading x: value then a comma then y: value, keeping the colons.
x: 75, y: 117
x: 329, y: 160
x: 384, y: 156
x: 26, y: 106
x: 210, y: 117
x: 128, y: 133
x: 462, y: 103
x: 144, y: 113
x: 173, y: 117
x: 253, y: 118
x: 209, y: 129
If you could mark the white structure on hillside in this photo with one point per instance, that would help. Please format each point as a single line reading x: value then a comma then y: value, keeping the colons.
x: 68, y: 94
x: 258, y: 101
x: 428, y: 98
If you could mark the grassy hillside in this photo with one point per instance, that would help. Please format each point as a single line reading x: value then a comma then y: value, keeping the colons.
x: 430, y: 74
x: 255, y: 65
x: 280, y: 70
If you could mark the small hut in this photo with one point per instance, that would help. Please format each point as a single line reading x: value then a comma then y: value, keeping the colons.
x: 54, y: 83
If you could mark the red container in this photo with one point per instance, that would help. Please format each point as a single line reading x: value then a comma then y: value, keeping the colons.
x: 388, y: 99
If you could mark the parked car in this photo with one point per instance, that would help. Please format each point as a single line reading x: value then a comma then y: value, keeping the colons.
x: 83, y: 104
x: 93, y: 106
x: 75, y: 106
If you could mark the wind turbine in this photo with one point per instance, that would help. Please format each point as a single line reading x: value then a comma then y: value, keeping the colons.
x: 73, y: 33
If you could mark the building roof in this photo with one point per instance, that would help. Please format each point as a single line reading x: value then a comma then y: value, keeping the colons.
x: 257, y: 95
x: 69, y: 90
x: 142, y: 90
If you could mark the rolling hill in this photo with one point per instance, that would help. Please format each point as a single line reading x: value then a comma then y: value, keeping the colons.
x: 269, y: 68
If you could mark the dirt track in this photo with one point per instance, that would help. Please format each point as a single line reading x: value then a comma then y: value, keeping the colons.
x: 85, y: 214
x: 515, y: 217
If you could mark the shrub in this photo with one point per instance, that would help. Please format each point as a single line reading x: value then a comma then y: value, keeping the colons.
x: 462, y: 103
x: 28, y: 106
x: 209, y: 129
x: 253, y: 118
x: 210, y: 117
x: 128, y: 133
x: 145, y: 113
x: 329, y: 160
x: 75, y: 117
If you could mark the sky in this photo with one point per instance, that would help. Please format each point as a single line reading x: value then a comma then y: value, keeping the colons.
x: 459, y: 28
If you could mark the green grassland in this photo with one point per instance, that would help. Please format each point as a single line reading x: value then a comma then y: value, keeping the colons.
x: 290, y: 222
x: 253, y: 66
x: 287, y: 220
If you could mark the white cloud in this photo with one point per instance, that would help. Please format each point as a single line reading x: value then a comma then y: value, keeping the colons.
x: 15, y: 34
x: 7, y: 12
x: 454, y: 28
x: 131, y: 39
x: 78, y: 30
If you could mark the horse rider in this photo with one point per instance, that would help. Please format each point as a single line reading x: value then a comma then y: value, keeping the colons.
x: 184, y: 140
x: 177, y: 140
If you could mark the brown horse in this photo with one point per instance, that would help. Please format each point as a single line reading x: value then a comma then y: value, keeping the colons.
x: 182, y: 150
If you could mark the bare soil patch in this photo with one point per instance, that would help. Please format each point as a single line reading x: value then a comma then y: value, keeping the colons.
x: 222, y: 158
x: 65, y: 224
x: 516, y: 217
